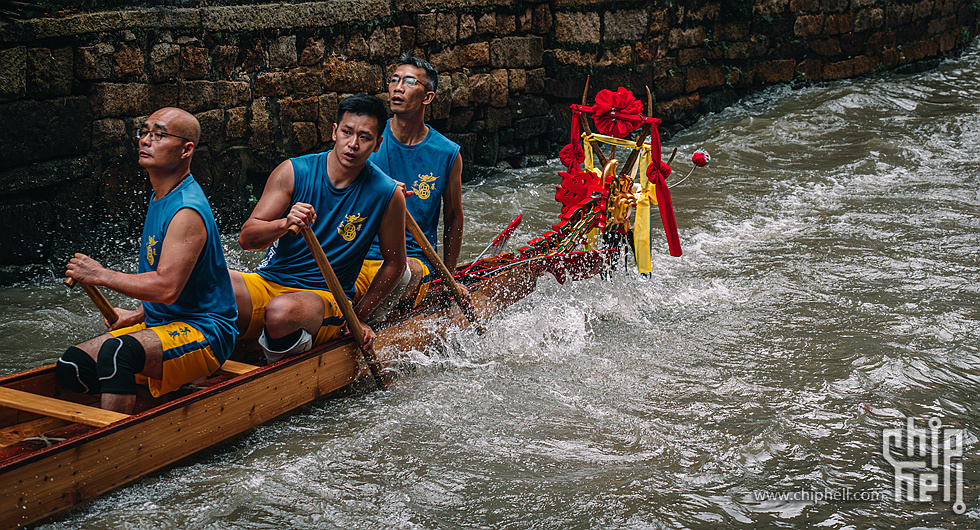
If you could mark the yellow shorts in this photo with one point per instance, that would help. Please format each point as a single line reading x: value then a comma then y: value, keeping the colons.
x: 370, y: 269
x: 262, y: 290
x: 186, y: 356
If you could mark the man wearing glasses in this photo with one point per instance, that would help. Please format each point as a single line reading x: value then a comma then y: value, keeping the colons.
x: 185, y: 327
x: 430, y: 167
x: 347, y: 202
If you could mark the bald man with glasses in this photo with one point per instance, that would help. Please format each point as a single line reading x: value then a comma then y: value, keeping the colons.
x: 184, y: 329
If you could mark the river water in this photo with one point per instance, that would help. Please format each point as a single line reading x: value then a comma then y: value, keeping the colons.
x: 828, y: 292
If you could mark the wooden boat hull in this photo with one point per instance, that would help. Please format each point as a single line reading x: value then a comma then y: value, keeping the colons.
x: 36, y: 483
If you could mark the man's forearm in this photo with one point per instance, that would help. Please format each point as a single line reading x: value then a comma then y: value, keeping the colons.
x: 148, y: 286
x: 257, y: 234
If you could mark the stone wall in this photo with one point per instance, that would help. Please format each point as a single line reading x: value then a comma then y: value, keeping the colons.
x: 264, y: 81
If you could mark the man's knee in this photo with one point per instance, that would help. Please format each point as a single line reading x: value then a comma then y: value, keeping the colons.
x: 77, y: 371
x: 410, y: 289
x: 388, y: 302
x: 120, y: 359
x: 282, y: 311
x: 416, y: 269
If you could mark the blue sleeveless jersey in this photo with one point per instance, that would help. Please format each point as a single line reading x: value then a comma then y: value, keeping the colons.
x: 424, y: 168
x: 207, y: 301
x: 347, y: 221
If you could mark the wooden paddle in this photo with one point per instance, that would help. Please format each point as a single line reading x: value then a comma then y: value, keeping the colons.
x: 353, y: 323
x: 98, y: 298
x: 441, y: 270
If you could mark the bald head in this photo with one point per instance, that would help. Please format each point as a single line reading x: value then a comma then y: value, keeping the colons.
x: 176, y: 121
x: 169, y: 150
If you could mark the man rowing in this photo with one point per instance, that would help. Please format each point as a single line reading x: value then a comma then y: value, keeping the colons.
x: 347, y: 202
x: 418, y: 156
x: 185, y: 327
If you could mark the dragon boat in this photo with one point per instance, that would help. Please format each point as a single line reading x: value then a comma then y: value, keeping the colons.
x: 58, y: 449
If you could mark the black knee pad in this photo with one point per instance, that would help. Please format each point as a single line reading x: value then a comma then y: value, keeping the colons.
x: 77, y: 371
x: 120, y: 359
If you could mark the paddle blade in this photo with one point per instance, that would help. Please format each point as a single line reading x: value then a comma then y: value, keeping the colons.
x: 667, y: 216
x: 501, y: 240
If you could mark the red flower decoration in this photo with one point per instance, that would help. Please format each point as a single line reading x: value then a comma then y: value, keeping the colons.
x: 617, y: 113
x: 571, y: 155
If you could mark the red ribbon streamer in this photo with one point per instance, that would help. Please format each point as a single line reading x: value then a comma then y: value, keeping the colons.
x: 667, y: 214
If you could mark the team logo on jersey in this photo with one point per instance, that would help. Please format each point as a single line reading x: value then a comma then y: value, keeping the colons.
x: 351, y: 226
x: 151, y: 253
x: 423, y: 186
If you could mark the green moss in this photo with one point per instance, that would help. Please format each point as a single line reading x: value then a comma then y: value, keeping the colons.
x: 373, y: 24
x: 730, y: 72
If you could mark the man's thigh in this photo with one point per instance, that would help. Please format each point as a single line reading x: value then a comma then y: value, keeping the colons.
x: 176, y: 354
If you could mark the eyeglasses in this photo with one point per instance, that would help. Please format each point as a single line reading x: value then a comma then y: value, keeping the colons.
x: 409, y: 80
x: 156, y: 136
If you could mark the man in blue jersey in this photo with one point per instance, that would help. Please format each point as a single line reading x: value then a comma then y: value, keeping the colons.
x: 347, y: 202
x: 185, y: 327
x: 429, y: 165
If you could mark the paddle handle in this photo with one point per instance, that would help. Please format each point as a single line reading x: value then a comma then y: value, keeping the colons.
x: 353, y: 323
x: 441, y: 269
x: 98, y: 298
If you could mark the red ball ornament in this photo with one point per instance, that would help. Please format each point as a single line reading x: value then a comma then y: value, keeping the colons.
x: 701, y: 158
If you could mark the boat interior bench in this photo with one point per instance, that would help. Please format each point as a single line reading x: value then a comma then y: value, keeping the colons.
x: 237, y: 368
x: 58, y: 408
